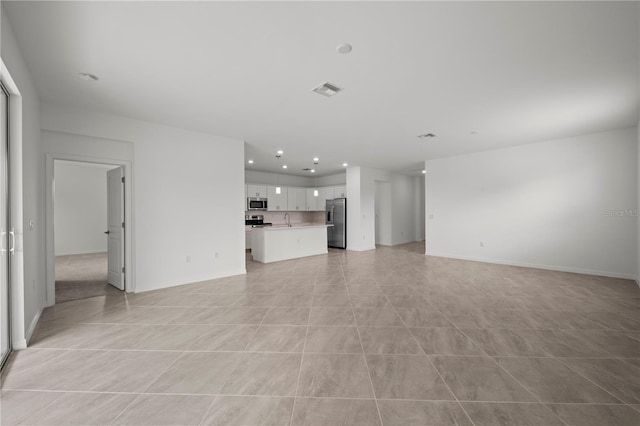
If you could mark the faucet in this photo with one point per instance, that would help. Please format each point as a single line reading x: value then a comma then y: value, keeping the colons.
x: 287, y: 218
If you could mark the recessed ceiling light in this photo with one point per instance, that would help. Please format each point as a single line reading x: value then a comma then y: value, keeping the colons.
x: 344, y: 48
x: 280, y: 152
x: 424, y: 172
x: 284, y: 166
x: 312, y: 170
x: 344, y: 164
x: 427, y: 135
x: 326, y: 89
x: 315, y: 160
x: 87, y: 77
x: 250, y: 161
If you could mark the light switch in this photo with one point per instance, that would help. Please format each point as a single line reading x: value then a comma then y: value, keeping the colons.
x: 32, y: 224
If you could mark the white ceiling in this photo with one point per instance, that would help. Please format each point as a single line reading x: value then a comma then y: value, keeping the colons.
x: 515, y: 72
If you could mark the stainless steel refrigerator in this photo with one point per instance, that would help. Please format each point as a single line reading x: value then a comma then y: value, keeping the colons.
x: 336, y: 215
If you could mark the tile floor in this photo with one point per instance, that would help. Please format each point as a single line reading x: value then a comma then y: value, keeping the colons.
x: 383, y: 337
x: 80, y: 276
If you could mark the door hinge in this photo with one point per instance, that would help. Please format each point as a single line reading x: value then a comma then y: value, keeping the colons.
x: 122, y: 179
x: 123, y: 224
x: 123, y: 269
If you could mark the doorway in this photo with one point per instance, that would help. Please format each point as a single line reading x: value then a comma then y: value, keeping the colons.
x: 88, y: 202
x: 382, y: 208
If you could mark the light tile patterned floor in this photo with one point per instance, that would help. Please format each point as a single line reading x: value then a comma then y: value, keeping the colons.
x: 382, y: 337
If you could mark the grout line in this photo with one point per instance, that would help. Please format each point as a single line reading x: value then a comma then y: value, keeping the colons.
x: 364, y: 355
x: 304, y: 345
x: 501, y: 367
x: 125, y: 408
x: 429, y: 359
x: 204, y: 416
x: 613, y: 404
x: 564, y: 362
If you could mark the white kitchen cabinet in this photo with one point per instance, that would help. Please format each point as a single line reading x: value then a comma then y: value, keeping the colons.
x: 318, y: 203
x: 296, y: 199
x: 259, y: 191
x: 277, y: 202
x: 340, y: 192
x: 312, y: 200
x: 324, y: 194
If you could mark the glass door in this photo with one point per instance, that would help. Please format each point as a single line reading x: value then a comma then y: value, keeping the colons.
x: 6, y: 240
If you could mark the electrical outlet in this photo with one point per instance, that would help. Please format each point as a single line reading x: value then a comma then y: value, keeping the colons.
x: 430, y: 216
x: 481, y: 244
x: 188, y: 259
x: 216, y: 255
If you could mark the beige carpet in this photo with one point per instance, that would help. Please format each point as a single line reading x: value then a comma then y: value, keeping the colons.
x: 81, y: 276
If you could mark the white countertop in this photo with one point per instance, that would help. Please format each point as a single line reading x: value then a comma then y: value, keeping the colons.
x: 292, y: 227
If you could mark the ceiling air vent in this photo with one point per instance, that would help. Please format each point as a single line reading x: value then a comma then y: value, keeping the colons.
x: 327, y: 89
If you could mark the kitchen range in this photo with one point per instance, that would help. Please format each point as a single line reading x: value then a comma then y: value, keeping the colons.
x: 256, y: 221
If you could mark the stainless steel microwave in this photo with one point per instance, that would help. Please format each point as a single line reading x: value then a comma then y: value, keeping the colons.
x: 254, y: 203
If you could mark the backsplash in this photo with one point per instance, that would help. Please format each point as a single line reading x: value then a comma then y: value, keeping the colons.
x: 277, y: 218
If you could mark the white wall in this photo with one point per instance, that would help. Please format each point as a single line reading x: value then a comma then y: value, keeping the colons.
x: 80, y: 207
x: 28, y: 275
x: 419, y: 208
x: 382, y: 205
x: 188, y: 192
x: 253, y: 176
x: 361, y: 189
x: 551, y: 204
x: 331, y: 180
x: 403, y: 209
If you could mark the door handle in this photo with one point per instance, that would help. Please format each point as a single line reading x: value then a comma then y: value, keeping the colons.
x: 12, y: 247
x: 107, y: 232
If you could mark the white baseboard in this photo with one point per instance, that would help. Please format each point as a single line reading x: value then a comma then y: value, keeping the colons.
x: 537, y: 266
x: 32, y: 326
x: 23, y: 343
x: 361, y: 248
x: 195, y: 279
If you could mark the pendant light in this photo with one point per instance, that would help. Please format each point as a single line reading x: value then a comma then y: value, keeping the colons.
x: 315, y: 163
x: 278, y: 188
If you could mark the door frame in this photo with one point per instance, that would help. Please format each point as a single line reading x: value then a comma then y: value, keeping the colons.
x: 5, y: 356
x: 50, y: 256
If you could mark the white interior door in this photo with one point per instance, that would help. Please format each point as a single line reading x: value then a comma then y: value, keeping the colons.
x: 115, y: 233
x: 6, y: 240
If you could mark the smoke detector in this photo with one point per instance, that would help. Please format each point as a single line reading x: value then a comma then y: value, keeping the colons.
x: 87, y: 77
x: 327, y: 89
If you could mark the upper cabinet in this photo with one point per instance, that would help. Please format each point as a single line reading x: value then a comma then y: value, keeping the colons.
x: 277, y: 202
x: 317, y: 203
x: 312, y: 200
x: 296, y: 199
x: 324, y: 194
x: 259, y: 191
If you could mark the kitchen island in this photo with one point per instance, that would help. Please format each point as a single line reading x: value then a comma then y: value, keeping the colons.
x: 276, y: 243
